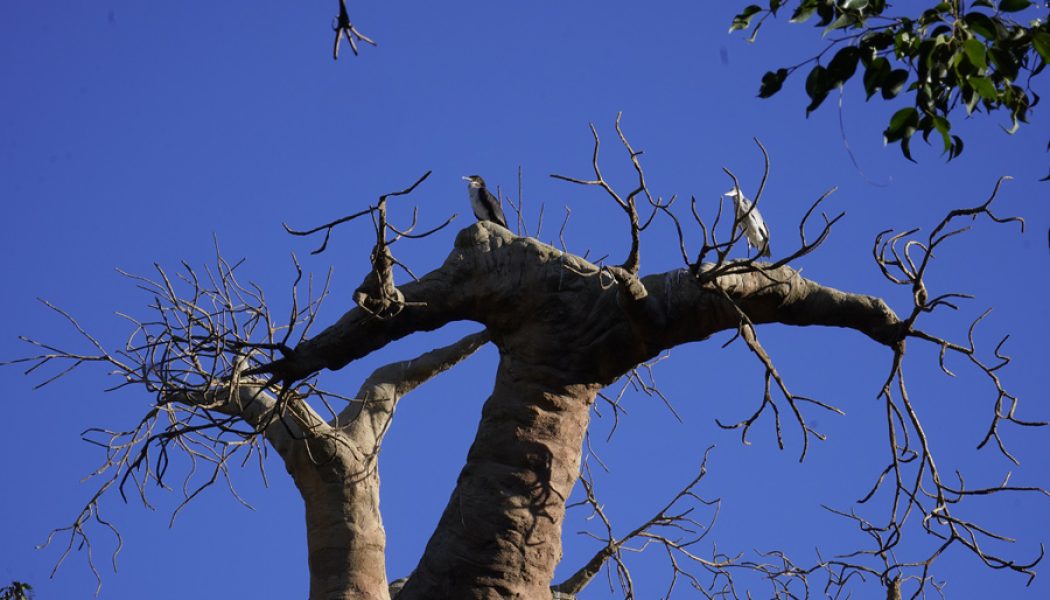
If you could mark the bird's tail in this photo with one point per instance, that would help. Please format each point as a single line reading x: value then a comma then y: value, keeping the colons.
x: 765, y: 252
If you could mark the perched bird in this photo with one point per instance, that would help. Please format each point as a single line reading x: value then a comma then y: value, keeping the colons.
x: 750, y: 222
x: 486, y: 206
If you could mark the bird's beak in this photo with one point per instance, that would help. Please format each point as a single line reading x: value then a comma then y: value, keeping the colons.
x: 465, y: 178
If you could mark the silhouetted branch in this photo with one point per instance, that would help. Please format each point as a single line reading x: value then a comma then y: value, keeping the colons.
x: 378, y: 293
x: 344, y: 28
x: 672, y: 527
x: 748, y: 333
x: 628, y: 204
x: 916, y: 485
x: 201, y: 334
x: 677, y: 530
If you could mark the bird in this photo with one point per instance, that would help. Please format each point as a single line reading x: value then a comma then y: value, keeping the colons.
x: 486, y: 206
x: 750, y: 222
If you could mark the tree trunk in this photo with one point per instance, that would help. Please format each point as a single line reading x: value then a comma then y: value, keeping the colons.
x: 344, y: 530
x: 565, y: 329
x: 500, y: 536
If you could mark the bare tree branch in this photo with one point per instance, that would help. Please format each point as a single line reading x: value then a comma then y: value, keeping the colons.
x: 344, y: 28
x: 628, y: 204
x: 915, y: 483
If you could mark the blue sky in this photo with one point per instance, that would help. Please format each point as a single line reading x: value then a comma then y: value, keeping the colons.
x: 131, y: 135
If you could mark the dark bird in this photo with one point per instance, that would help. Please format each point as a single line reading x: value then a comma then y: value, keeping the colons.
x: 486, y: 206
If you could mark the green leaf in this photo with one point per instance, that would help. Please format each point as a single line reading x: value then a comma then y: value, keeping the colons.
x: 743, y: 20
x: 930, y: 16
x: 826, y: 12
x: 1017, y: 101
x: 982, y: 24
x: 804, y: 11
x: 875, y: 75
x: 943, y: 126
x: 1041, y: 43
x: 903, y: 44
x: 1014, y: 126
x: 975, y: 50
x: 957, y: 147
x: 844, y: 20
x: 1014, y: 5
x: 962, y: 66
x: 816, y: 81
x: 818, y: 84
x: 894, y: 83
x: 902, y: 125
x: 926, y: 126
x: 857, y: 5
x: 879, y: 40
x: 906, y: 148
x: 985, y: 3
x: 772, y: 82
x: 984, y: 87
x: 843, y: 65
x: 970, y: 98
x: 1004, y: 62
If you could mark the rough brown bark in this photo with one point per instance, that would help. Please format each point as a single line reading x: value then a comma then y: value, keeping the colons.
x: 563, y: 331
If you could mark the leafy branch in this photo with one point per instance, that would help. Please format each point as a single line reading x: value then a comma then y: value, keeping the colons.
x: 950, y: 57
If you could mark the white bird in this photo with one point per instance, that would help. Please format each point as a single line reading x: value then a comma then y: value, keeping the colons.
x: 750, y: 222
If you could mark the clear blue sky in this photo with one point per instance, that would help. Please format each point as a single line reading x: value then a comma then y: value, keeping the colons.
x: 130, y: 133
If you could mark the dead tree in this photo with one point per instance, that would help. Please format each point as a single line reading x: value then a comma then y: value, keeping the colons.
x: 227, y: 376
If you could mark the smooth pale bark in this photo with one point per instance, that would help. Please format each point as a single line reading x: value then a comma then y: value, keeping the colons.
x: 564, y: 331
x: 345, y: 537
x: 334, y: 465
x: 340, y: 489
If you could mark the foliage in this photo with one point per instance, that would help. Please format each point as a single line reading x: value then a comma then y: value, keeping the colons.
x: 18, y: 590
x: 952, y: 56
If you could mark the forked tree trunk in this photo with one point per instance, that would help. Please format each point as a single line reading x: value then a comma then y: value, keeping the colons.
x: 564, y: 331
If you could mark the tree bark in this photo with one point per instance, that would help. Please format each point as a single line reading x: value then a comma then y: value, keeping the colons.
x: 345, y: 538
x: 499, y: 536
x: 564, y: 330
x: 344, y: 530
x: 335, y: 465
